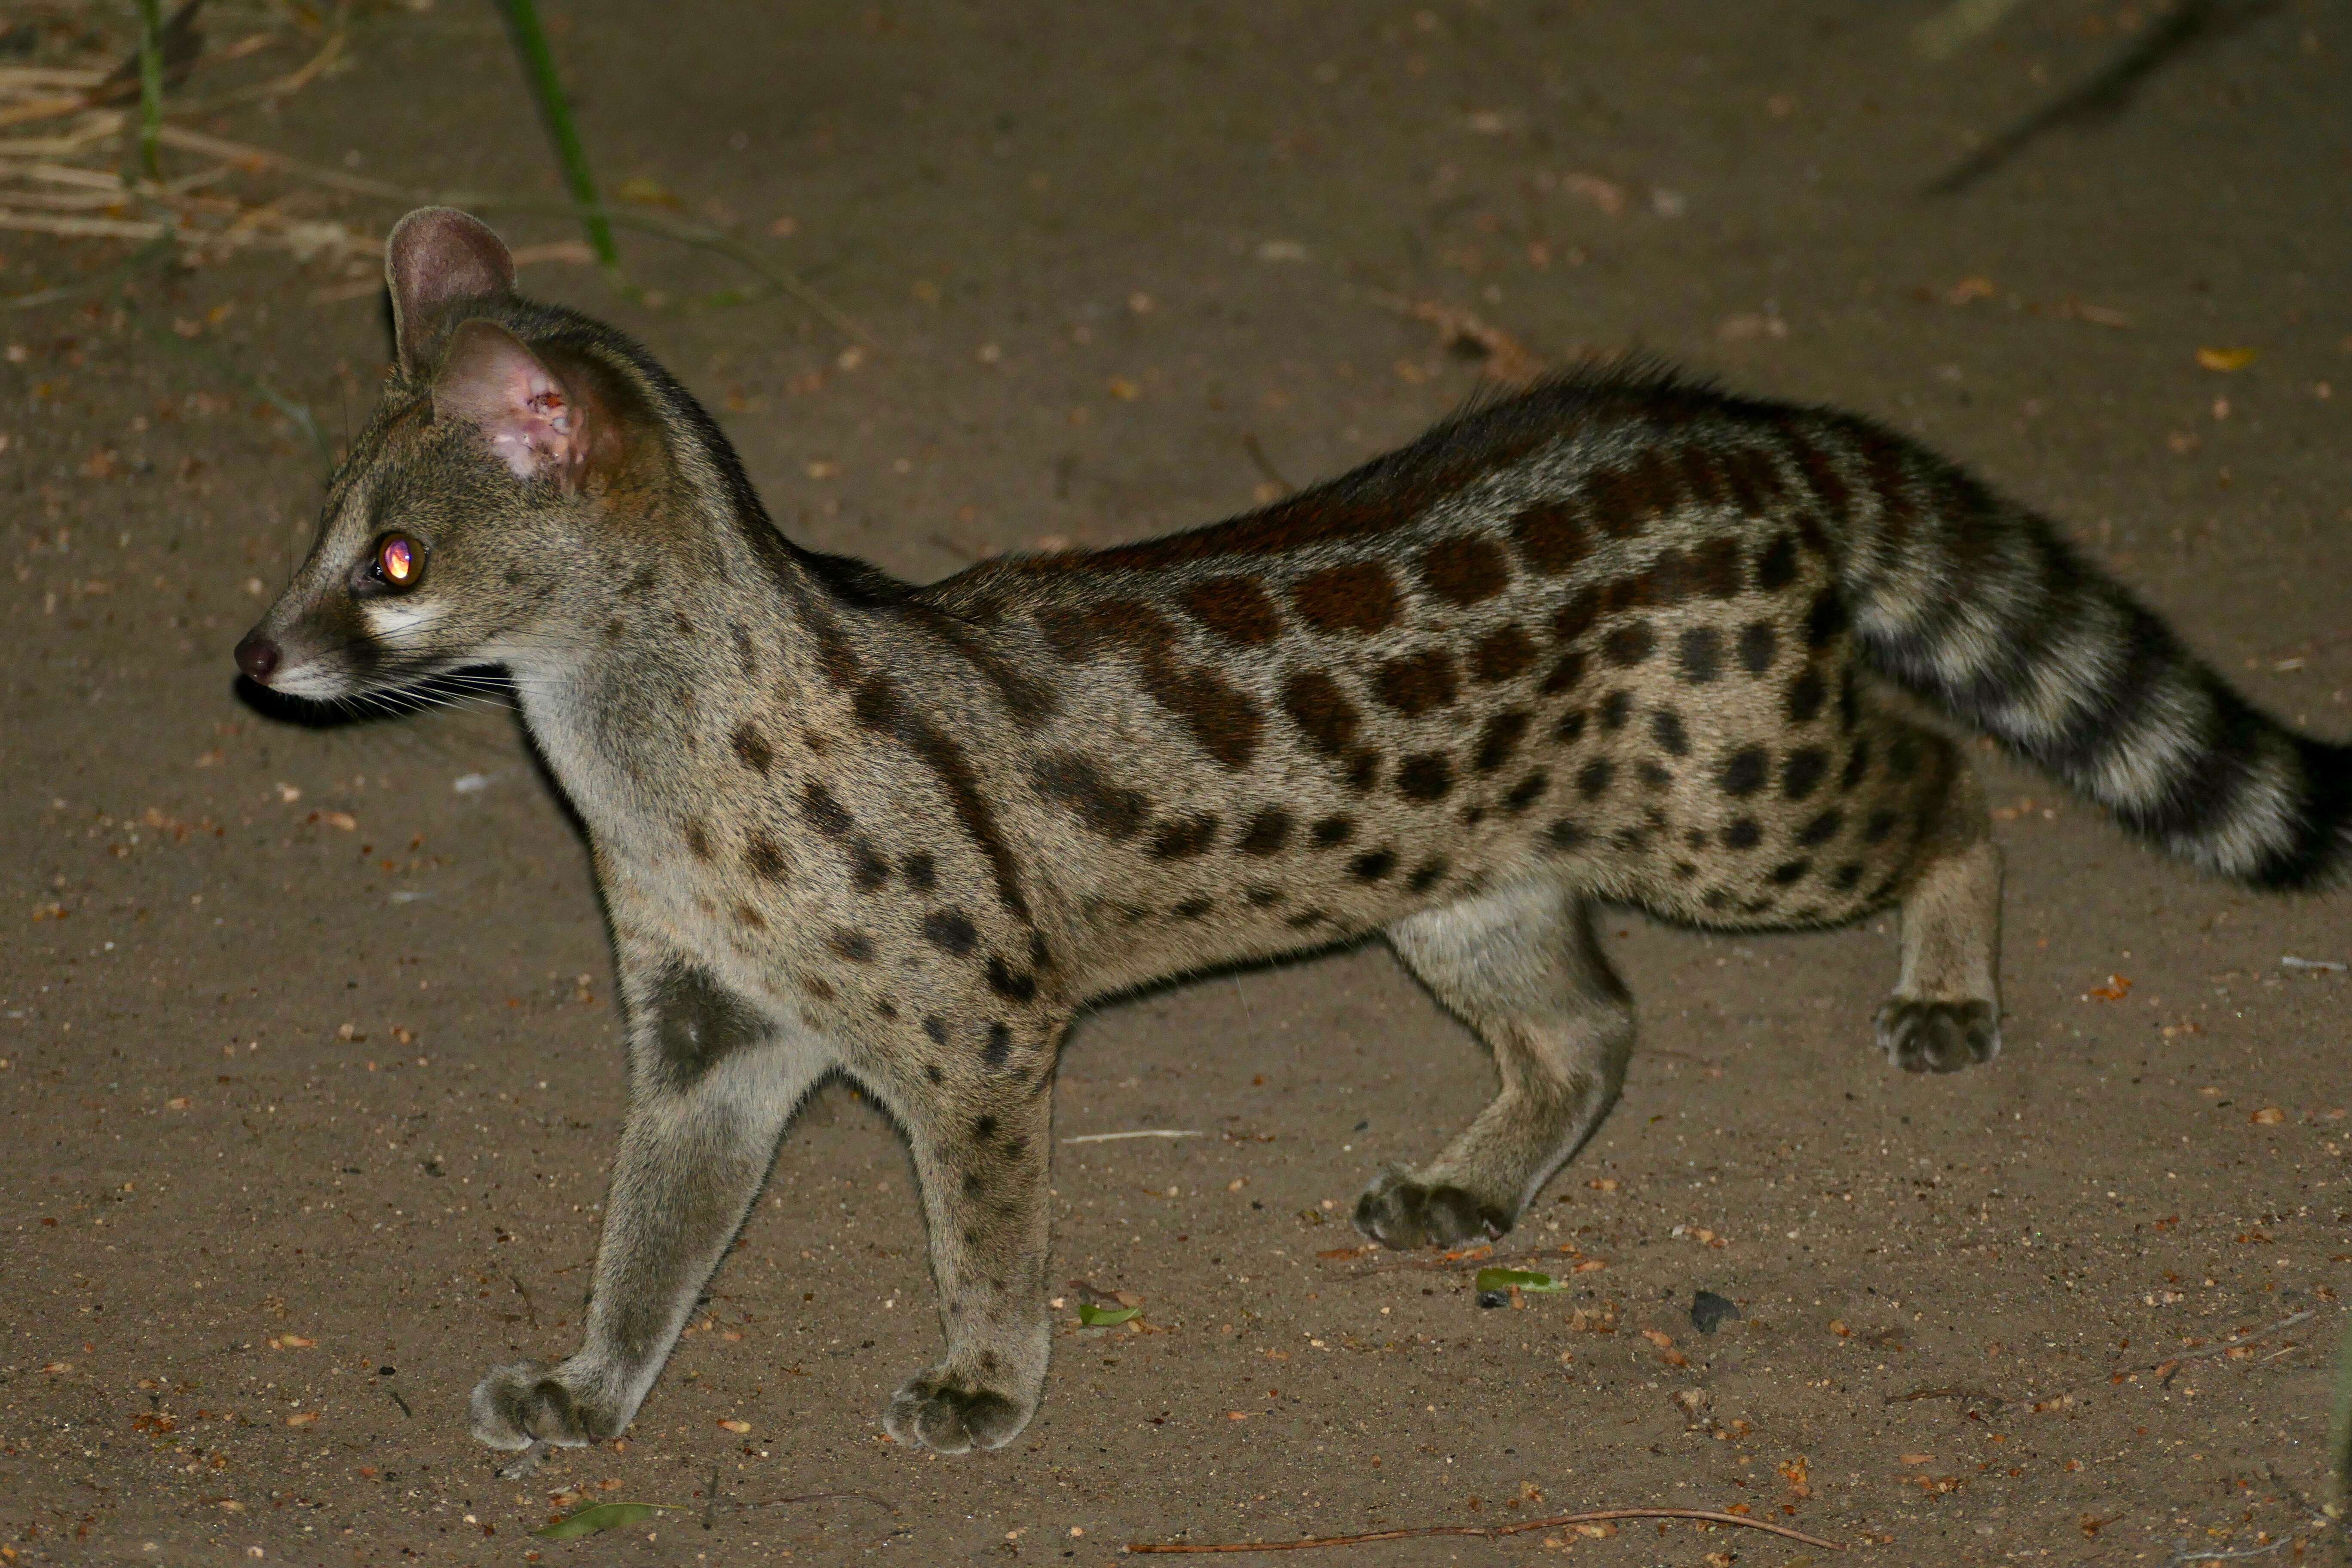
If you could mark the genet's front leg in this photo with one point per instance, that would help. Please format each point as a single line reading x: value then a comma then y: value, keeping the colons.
x: 982, y: 1153
x: 712, y: 1082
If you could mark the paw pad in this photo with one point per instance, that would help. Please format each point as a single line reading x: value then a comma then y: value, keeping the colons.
x: 1401, y: 1213
x: 1938, y: 1036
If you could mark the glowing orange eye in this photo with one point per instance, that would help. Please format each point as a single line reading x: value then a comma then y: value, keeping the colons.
x: 400, y: 560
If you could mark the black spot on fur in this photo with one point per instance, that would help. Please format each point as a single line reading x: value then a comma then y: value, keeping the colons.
x: 1262, y: 898
x: 1825, y: 620
x: 1776, y: 565
x: 949, y: 930
x: 1822, y: 829
x: 1528, y: 790
x: 698, y: 1023
x: 1848, y: 875
x: 1571, y: 726
x: 1183, y: 837
x: 753, y: 748
x: 937, y: 1030
x: 1564, y: 675
x: 1267, y: 832
x: 1806, y: 696
x: 1667, y: 726
x: 1744, y: 770
x: 1616, y: 709
x: 1653, y: 773
x: 1010, y: 983
x: 1804, y: 771
x: 765, y: 857
x: 1427, y: 875
x: 1790, y: 871
x: 1700, y: 652
x: 1629, y: 644
x: 921, y: 872
x: 1857, y: 764
x: 1426, y: 775
x: 1594, y: 778
x: 1566, y: 835
x: 853, y: 945
x: 1334, y: 830
x: 1903, y: 755
x: 999, y: 1046
x: 1759, y: 643
x: 823, y: 812
x: 1744, y: 834
x: 1372, y: 866
x: 1880, y: 824
x: 1499, y: 738
x: 1101, y: 807
x: 1193, y: 908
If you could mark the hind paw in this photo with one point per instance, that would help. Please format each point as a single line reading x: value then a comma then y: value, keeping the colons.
x: 1938, y: 1036
x: 1398, y: 1212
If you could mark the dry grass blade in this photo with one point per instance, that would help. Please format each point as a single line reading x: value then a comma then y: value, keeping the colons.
x: 1486, y: 1532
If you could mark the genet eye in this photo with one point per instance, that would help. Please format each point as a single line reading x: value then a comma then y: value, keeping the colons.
x: 399, y: 562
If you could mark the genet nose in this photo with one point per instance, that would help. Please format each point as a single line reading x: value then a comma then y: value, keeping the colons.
x: 257, y: 656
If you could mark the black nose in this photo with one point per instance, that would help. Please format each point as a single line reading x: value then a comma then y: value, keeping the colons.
x: 257, y: 656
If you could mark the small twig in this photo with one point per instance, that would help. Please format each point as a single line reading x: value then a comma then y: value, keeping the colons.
x: 160, y: 248
x: 1993, y: 1401
x: 530, y: 1312
x: 2195, y: 1554
x: 396, y: 1399
x: 710, y: 1496
x: 294, y: 412
x: 1489, y: 1531
x: 777, y: 279
x: 818, y: 1496
x: 1264, y: 465
x: 1121, y: 1136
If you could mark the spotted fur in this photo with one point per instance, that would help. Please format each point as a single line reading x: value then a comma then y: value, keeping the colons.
x: 1621, y: 637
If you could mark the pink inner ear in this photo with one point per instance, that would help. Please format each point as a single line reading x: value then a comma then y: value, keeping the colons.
x: 525, y: 413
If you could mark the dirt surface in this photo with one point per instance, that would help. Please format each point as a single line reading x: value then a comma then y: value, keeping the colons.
x: 312, y: 1070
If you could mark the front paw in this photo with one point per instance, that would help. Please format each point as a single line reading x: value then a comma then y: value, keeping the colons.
x: 1937, y: 1036
x: 526, y: 1403
x: 954, y: 1413
x: 1401, y: 1213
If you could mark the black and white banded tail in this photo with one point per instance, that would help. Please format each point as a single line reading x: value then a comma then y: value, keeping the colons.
x: 1976, y: 605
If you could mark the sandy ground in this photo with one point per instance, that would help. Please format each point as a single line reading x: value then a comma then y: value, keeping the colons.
x: 311, y: 1066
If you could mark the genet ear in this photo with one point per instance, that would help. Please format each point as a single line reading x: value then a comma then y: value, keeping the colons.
x: 435, y: 255
x: 532, y: 422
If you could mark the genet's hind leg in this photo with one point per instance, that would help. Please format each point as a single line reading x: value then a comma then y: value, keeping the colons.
x: 1945, y: 1013
x: 1523, y: 968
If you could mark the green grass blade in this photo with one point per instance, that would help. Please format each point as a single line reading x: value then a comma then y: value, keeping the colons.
x: 151, y: 86
x: 600, y: 1517
x: 546, y: 89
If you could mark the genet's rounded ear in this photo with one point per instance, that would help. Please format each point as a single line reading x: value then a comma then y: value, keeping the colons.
x: 433, y: 255
x: 529, y: 418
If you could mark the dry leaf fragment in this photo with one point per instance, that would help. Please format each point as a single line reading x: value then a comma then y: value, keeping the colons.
x: 2268, y: 1116
x: 2225, y: 359
x: 1969, y: 289
x: 738, y: 1428
x: 302, y: 1418
x: 2117, y: 987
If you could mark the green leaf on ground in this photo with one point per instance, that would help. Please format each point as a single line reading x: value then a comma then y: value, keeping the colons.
x: 1096, y: 1317
x: 1516, y: 1279
x: 599, y: 1517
